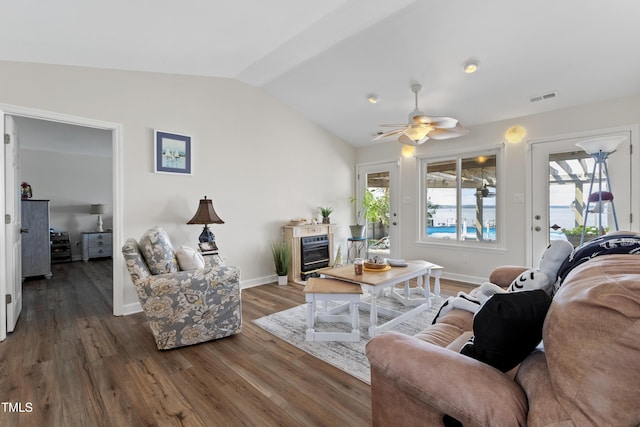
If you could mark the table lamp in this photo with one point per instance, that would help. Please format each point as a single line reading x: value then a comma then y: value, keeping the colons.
x: 97, y: 209
x: 206, y: 215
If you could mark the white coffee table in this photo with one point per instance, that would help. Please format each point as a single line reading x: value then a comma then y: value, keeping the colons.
x: 377, y: 282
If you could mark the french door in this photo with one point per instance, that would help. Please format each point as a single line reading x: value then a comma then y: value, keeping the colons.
x: 377, y: 185
x: 561, y: 182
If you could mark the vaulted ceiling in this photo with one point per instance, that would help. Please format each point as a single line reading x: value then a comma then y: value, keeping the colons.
x: 323, y: 58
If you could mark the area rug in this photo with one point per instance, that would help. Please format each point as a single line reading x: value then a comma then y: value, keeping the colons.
x: 290, y: 325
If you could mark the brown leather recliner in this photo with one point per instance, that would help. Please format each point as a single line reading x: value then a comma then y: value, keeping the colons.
x: 587, y: 374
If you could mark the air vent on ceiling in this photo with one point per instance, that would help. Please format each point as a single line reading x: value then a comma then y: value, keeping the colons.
x: 545, y: 97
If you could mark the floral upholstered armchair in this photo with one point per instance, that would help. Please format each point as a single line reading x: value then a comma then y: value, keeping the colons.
x: 198, y: 303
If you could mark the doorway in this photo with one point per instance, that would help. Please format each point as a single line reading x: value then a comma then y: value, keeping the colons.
x: 116, y: 178
x: 378, y: 194
x: 561, y: 175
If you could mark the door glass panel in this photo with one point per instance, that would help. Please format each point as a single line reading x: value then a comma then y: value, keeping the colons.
x: 570, y: 176
x: 561, y: 175
x: 377, y: 209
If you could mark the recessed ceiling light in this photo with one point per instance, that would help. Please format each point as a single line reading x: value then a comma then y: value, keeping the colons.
x: 470, y: 67
x: 373, y: 98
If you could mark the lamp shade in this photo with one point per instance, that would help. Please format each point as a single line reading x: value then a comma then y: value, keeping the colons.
x: 96, y: 209
x: 418, y: 131
x: 606, y: 144
x: 205, y: 213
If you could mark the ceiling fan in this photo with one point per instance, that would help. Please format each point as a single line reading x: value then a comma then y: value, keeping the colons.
x: 421, y: 127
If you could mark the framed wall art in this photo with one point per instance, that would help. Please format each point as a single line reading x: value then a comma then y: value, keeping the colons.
x: 172, y: 153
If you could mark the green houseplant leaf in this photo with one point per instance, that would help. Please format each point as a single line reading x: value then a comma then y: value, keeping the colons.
x: 325, y: 212
x: 281, y: 257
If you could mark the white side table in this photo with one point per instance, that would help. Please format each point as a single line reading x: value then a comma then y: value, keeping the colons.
x: 325, y: 291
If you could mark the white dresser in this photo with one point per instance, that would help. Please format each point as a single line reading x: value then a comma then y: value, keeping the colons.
x: 96, y: 244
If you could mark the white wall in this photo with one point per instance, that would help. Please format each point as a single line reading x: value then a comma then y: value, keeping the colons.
x: 71, y: 182
x: 609, y: 114
x: 258, y: 160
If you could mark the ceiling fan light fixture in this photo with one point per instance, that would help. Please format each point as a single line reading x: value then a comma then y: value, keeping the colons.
x: 470, y: 67
x: 418, y: 132
x: 406, y: 140
x: 422, y: 127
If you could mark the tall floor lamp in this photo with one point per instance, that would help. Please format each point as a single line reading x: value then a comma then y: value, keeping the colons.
x: 600, y: 149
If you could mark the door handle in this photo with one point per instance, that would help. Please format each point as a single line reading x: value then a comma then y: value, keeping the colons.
x: 24, y: 230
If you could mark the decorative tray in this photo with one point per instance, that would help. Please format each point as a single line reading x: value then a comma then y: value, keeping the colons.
x: 384, y: 268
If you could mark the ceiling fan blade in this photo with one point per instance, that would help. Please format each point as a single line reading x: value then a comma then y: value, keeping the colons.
x: 421, y: 118
x: 404, y: 139
x: 455, y: 132
x: 388, y: 134
x: 436, y: 122
x: 444, y: 122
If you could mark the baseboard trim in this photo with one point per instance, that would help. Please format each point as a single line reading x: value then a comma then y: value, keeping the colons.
x: 132, y: 308
x: 258, y: 281
x: 471, y: 280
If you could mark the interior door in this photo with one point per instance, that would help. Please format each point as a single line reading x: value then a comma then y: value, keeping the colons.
x: 3, y: 257
x: 561, y: 181
x: 380, y: 180
x: 13, y: 248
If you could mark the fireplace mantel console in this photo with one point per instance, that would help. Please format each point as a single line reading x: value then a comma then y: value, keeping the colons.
x: 312, y: 249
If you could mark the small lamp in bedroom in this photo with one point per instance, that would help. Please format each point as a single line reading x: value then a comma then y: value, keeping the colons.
x: 206, y: 215
x: 97, y: 209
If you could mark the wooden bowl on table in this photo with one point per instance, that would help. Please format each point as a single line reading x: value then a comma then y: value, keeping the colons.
x: 374, y: 266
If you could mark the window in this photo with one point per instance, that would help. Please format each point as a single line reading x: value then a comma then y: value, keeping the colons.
x: 460, y: 198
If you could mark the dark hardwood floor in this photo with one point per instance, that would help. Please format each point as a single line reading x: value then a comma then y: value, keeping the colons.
x: 70, y: 362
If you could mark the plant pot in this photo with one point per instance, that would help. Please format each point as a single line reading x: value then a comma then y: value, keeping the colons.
x: 326, y: 220
x: 357, y: 231
x: 283, y: 280
x: 574, y: 239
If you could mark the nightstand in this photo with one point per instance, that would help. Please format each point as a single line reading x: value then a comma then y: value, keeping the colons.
x: 96, y: 244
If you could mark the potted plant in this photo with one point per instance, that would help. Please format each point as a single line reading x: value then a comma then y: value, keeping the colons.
x: 575, y: 234
x: 377, y: 213
x: 282, y: 259
x: 365, y: 213
x: 325, y: 212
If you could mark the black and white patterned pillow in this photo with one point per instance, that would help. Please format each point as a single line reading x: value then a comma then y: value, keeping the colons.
x: 603, y: 245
